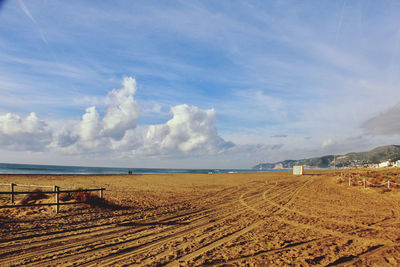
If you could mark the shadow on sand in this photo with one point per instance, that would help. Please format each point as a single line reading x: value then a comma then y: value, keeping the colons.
x: 153, y: 223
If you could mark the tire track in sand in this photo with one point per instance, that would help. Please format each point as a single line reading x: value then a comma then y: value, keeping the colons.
x: 222, y: 214
x: 63, y: 245
x: 189, y: 257
x: 328, y: 233
x: 56, y: 246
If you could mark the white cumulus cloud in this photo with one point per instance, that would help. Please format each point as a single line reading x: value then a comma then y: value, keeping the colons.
x: 99, y: 134
x: 327, y: 143
x: 89, y: 127
x: 123, y: 111
x: 190, y: 130
x: 28, y: 133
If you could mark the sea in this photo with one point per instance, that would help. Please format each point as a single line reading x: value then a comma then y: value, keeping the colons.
x: 11, y: 168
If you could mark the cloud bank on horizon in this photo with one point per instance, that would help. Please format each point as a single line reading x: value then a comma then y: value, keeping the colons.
x: 190, y: 130
x: 206, y: 85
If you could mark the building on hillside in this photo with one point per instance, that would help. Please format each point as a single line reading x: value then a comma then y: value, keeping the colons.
x: 397, y: 163
x: 278, y: 166
x: 384, y: 164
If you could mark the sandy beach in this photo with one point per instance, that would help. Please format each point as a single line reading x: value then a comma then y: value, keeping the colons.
x: 207, y: 219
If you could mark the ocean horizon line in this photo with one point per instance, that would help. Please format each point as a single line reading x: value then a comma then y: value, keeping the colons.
x: 18, y: 168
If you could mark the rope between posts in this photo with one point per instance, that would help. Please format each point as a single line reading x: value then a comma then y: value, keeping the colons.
x: 388, y: 183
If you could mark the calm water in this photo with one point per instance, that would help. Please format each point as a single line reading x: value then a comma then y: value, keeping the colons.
x: 7, y: 168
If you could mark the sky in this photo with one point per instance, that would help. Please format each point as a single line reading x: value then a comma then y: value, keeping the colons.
x: 196, y: 84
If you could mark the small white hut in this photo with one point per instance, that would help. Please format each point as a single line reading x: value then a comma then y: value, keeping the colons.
x: 298, y: 170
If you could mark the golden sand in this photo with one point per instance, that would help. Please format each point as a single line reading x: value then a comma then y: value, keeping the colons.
x: 196, y: 219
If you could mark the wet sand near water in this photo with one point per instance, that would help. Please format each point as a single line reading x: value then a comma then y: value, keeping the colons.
x: 206, y: 219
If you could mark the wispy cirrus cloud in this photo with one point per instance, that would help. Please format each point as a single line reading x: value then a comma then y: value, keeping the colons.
x: 29, y: 15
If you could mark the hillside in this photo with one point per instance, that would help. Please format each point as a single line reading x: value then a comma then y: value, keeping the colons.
x: 353, y: 159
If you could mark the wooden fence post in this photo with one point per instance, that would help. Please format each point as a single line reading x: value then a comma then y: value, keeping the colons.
x: 12, y: 193
x: 101, y: 192
x: 388, y: 184
x: 56, y: 189
x: 364, y: 183
x: 349, y: 181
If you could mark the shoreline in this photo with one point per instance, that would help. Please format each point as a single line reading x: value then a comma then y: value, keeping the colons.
x: 12, y: 168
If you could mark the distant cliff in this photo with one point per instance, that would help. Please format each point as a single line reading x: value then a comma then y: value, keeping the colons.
x: 352, y: 159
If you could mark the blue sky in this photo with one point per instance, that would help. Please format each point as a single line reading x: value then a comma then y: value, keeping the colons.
x: 196, y: 84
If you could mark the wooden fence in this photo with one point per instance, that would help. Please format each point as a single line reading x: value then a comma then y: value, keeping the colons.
x: 56, y: 191
x: 366, y: 183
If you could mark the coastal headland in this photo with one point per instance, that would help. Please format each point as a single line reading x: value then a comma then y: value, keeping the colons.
x: 200, y: 219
